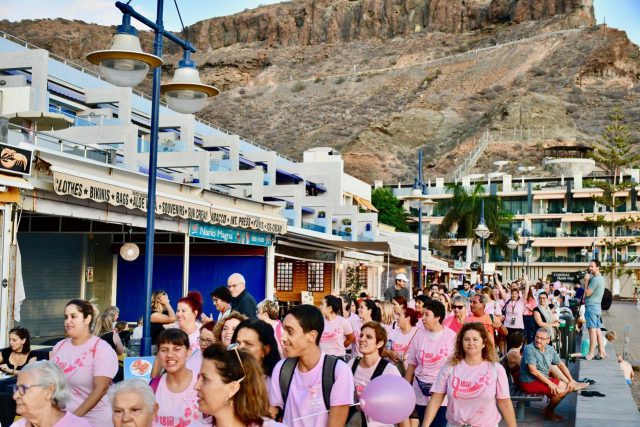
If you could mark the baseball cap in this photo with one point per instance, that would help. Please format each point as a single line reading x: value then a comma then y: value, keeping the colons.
x: 402, y: 276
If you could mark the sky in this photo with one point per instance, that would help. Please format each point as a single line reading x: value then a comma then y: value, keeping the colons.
x: 621, y: 14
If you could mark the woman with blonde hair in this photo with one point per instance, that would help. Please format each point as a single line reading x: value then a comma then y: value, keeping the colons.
x: 231, y: 388
x: 226, y: 326
x: 269, y: 311
x: 388, y: 320
x: 474, y: 383
x: 105, y: 330
x: 161, y: 314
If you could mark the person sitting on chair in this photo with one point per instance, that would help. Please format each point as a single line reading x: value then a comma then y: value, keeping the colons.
x: 535, y: 377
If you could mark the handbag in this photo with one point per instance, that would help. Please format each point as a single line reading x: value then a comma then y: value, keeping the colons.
x: 425, y: 388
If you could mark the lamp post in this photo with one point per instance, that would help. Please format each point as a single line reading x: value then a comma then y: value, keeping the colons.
x: 483, y: 232
x: 419, y: 197
x: 511, y: 244
x: 126, y: 65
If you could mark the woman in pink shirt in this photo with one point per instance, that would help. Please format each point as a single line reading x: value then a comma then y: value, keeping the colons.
x: 41, y: 394
x: 402, y: 336
x: 473, y: 382
x: 189, y: 309
x: 428, y: 352
x: 373, y: 338
x: 88, y: 363
x: 174, y: 390
x: 231, y: 388
x: 337, y: 334
x: 269, y: 311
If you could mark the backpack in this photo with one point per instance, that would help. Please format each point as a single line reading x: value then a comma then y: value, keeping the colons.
x: 607, y: 299
x: 328, y: 378
x: 353, y: 410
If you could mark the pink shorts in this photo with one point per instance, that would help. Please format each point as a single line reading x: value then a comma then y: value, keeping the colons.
x: 538, y: 387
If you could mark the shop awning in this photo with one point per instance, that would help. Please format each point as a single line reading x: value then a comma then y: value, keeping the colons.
x: 549, y: 195
x: 15, y: 181
x: 101, y: 189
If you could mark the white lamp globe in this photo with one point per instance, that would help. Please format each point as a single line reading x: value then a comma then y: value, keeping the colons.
x: 185, y: 93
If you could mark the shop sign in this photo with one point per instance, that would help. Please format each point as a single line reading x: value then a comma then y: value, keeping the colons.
x: 15, y: 160
x: 85, y: 188
x: 564, y: 276
x: 229, y: 235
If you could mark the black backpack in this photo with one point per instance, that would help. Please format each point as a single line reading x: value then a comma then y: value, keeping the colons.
x: 607, y: 299
x: 382, y: 365
x: 328, y: 378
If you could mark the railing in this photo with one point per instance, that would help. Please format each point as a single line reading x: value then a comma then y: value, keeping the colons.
x: 19, y: 134
x: 471, y: 160
x: 97, y: 75
x: 313, y: 227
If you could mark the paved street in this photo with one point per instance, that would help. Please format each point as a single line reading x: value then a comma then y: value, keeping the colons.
x: 620, y: 315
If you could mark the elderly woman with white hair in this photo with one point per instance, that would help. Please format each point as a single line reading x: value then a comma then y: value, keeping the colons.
x: 133, y: 403
x: 41, y: 394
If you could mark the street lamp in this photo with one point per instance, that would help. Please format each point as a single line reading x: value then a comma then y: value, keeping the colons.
x: 527, y: 253
x: 418, y: 197
x: 125, y: 64
x: 511, y: 244
x: 483, y: 232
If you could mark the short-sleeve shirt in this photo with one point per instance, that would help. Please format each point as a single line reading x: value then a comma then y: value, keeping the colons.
x: 362, y: 378
x: 333, y: 336
x: 177, y: 409
x: 305, y: 393
x: 80, y: 364
x: 542, y: 359
x: 514, y: 310
x: 356, y: 325
x: 428, y: 352
x: 472, y: 392
x: 594, y: 301
x: 68, y: 420
x: 400, y: 341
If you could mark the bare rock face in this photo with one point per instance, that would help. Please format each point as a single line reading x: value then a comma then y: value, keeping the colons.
x: 308, y: 22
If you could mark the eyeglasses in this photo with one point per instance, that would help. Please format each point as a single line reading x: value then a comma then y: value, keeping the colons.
x: 458, y: 307
x: 234, y: 347
x: 205, y: 341
x: 22, y: 389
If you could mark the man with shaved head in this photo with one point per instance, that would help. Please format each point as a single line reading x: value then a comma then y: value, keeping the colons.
x: 242, y: 301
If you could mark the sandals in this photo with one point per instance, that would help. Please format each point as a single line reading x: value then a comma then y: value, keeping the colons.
x: 588, y: 381
x: 589, y: 393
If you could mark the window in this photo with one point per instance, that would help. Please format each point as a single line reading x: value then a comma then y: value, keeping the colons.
x: 315, y: 277
x: 284, y: 276
x: 516, y: 205
x: 362, y: 274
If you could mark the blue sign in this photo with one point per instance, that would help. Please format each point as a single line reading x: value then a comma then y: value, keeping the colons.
x: 229, y: 235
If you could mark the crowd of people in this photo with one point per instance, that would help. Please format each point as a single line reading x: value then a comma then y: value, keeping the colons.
x: 455, y: 347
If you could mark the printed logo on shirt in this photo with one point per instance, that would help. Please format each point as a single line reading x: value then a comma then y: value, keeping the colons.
x: 428, y: 359
x: 330, y: 336
x: 465, y: 389
x: 191, y: 414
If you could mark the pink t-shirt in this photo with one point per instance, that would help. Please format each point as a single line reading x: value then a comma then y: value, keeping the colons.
x: 278, y: 331
x: 305, y: 394
x: 472, y: 392
x: 362, y: 377
x: 80, y: 364
x: 514, y: 311
x: 400, y: 341
x: 69, y: 420
x: 194, y: 361
x: 428, y: 352
x: 494, y: 307
x: 453, y: 323
x: 335, y: 331
x: 266, y: 422
x: 356, y: 325
x: 177, y: 409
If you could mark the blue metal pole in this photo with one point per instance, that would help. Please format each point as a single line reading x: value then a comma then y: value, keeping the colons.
x: 151, y: 191
x: 420, y: 286
x: 482, y: 238
x: 511, y: 251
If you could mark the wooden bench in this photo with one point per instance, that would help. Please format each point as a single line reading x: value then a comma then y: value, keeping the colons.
x: 518, y: 396
x: 521, y: 399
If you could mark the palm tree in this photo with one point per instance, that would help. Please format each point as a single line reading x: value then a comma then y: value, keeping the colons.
x: 462, y: 214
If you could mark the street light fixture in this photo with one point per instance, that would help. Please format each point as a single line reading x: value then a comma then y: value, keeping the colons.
x: 420, y: 199
x: 511, y: 244
x: 483, y: 232
x: 125, y: 64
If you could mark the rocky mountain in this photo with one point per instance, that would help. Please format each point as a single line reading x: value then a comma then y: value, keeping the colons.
x: 378, y: 79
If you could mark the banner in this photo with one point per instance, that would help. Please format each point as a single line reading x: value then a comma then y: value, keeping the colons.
x: 84, y: 188
x: 229, y: 235
x: 15, y: 160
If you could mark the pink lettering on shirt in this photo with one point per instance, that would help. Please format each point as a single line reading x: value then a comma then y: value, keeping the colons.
x: 335, y: 332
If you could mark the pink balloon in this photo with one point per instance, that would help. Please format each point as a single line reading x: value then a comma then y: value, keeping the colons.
x: 388, y: 399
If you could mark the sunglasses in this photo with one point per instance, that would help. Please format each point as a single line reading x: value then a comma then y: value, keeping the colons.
x: 458, y: 307
x: 234, y: 347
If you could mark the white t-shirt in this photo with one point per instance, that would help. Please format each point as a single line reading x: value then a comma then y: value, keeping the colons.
x: 305, y: 394
x: 333, y: 336
x: 362, y: 378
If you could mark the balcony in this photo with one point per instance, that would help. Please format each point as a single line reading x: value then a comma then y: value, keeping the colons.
x: 313, y: 227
